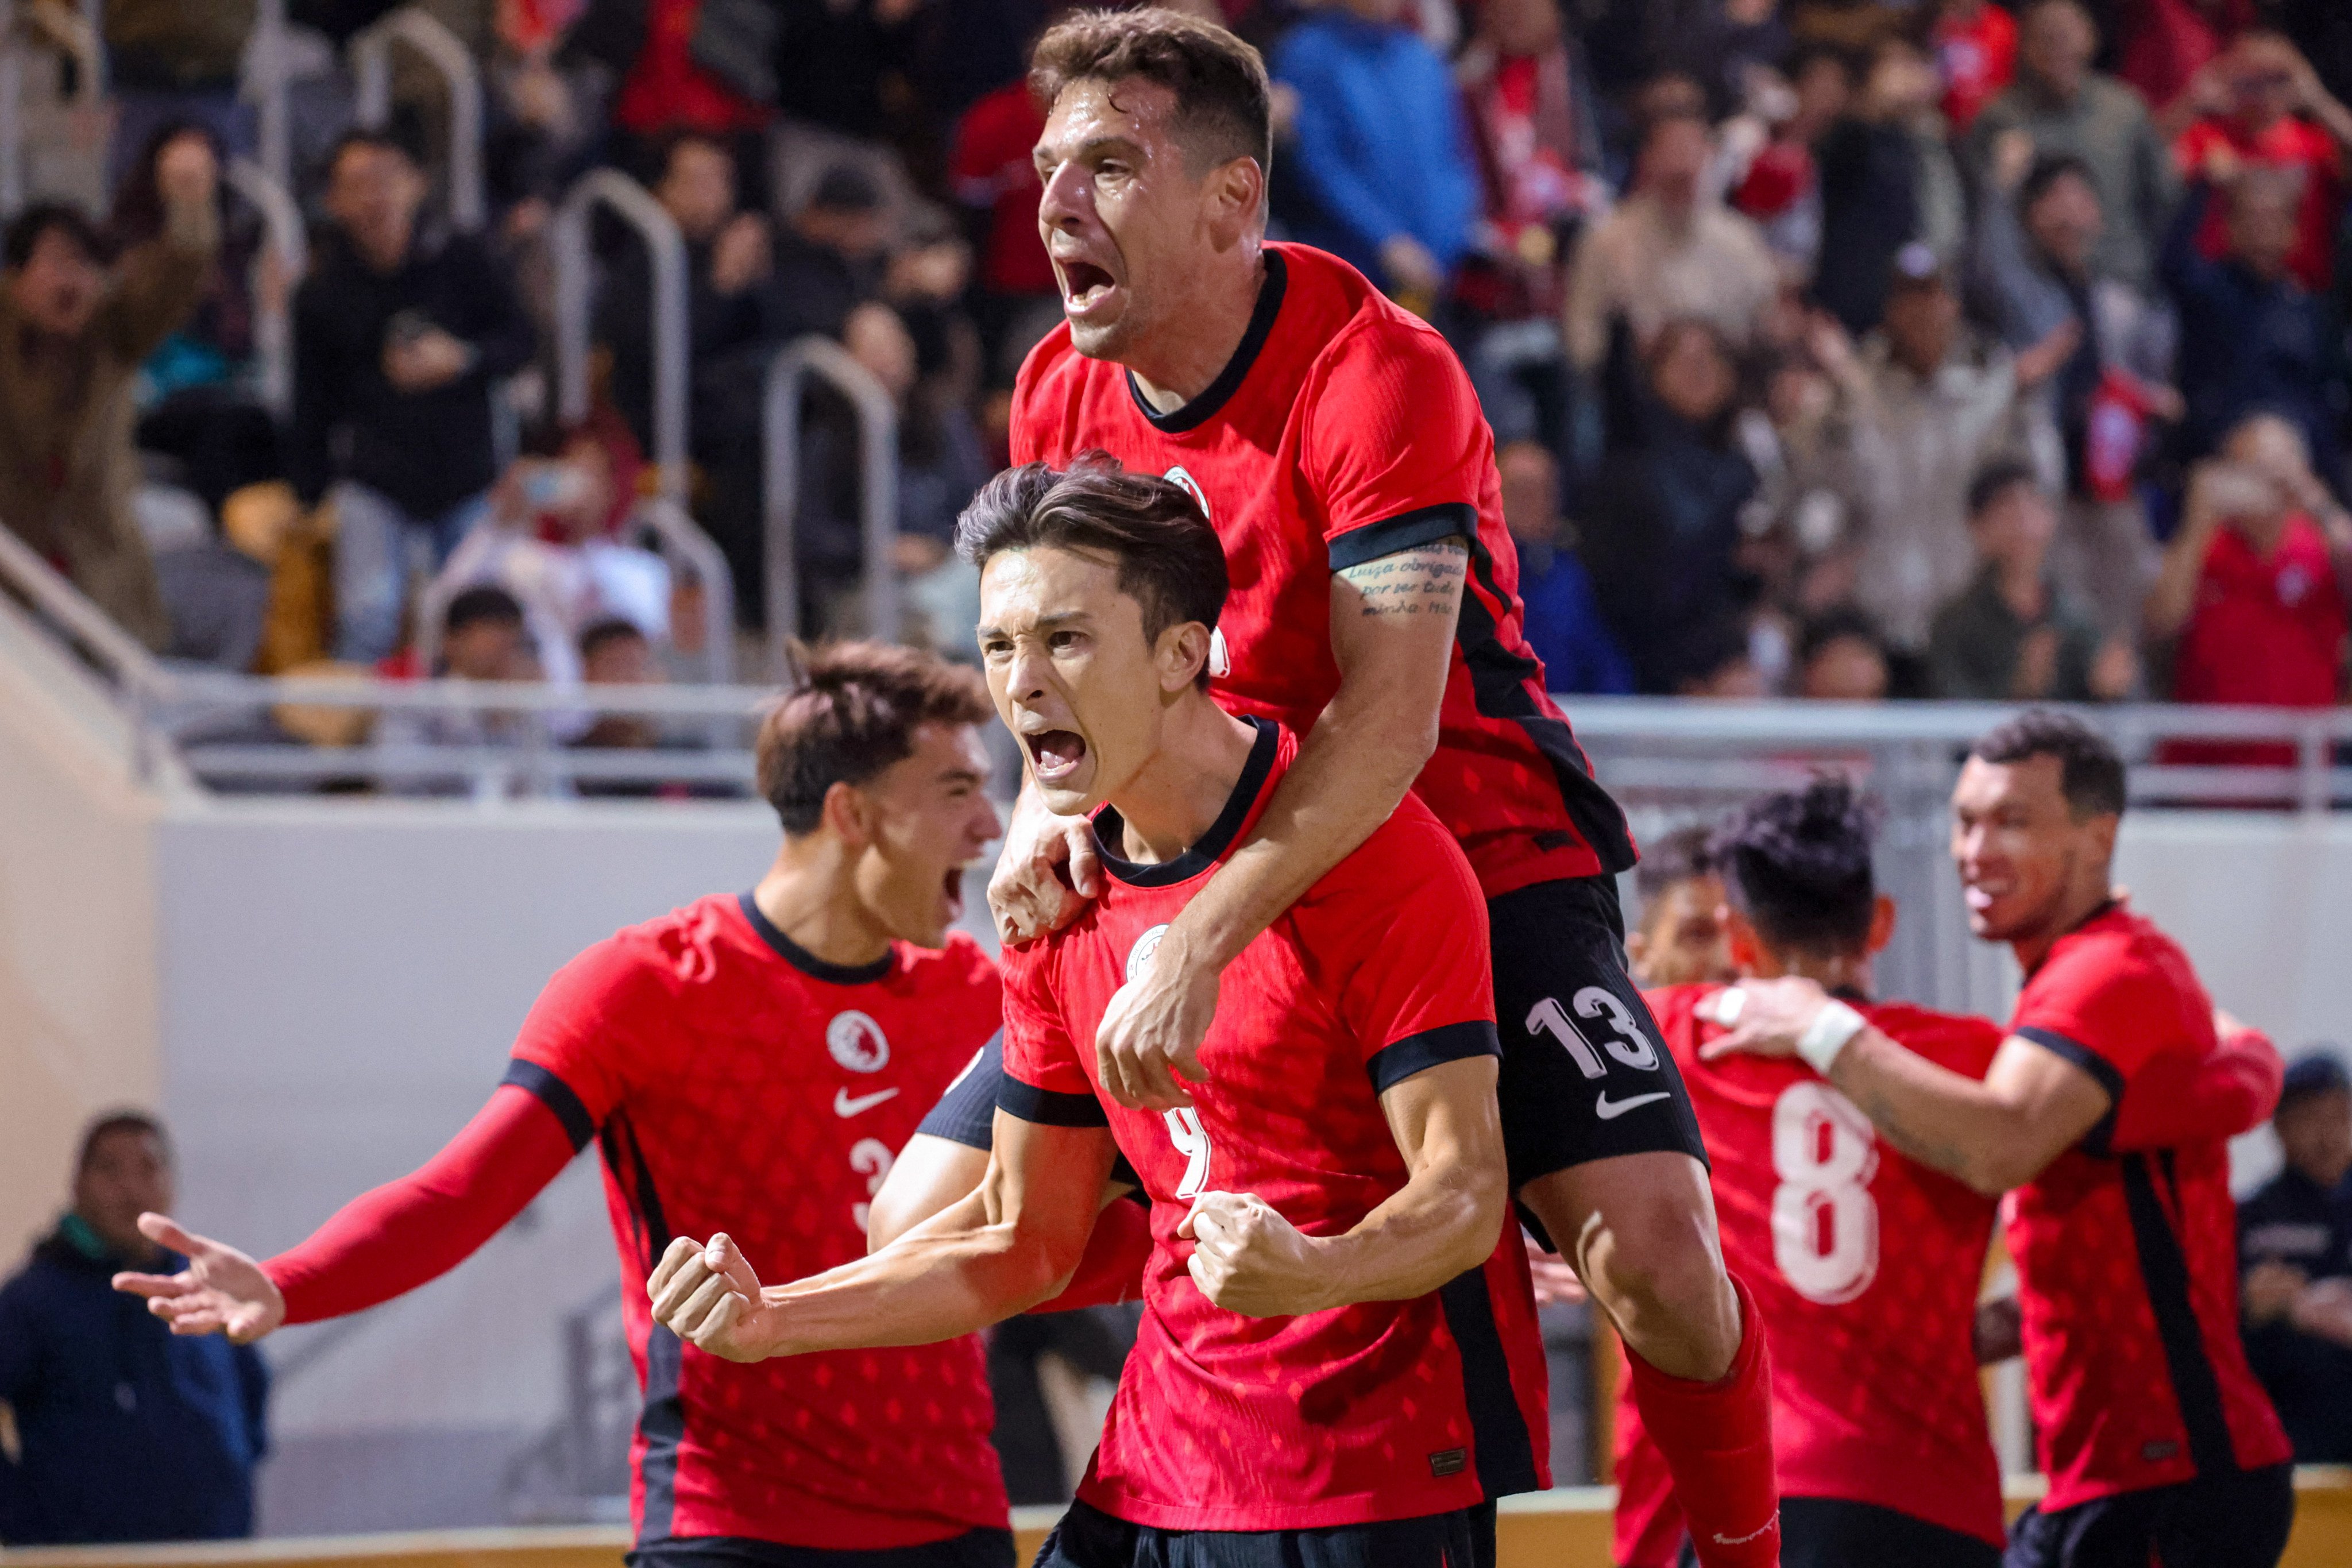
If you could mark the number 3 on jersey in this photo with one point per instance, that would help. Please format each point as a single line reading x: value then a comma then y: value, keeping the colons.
x: 1824, y: 1221
x: 1625, y: 1040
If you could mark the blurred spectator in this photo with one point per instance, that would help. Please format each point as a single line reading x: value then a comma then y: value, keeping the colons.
x: 616, y: 653
x: 1811, y: 507
x: 697, y: 65
x: 2262, y: 100
x: 727, y: 262
x: 1537, y: 155
x: 2255, y: 583
x: 833, y: 256
x: 71, y: 342
x: 1670, y: 250
x: 1976, y: 56
x: 552, y: 540
x: 171, y: 62
x: 2294, y: 1263
x: 400, y: 335
x: 2251, y: 337
x: 1563, y: 622
x: 2068, y: 108
x: 124, y: 1430
x: 1679, y: 937
x: 1781, y: 186
x: 1839, y: 659
x: 1661, y: 532
x: 1887, y: 181
x: 995, y: 179
x: 2014, y: 635
x: 198, y: 390
x: 2036, y: 272
x: 1379, y: 146
x: 485, y: 635
x: 1930, y: 406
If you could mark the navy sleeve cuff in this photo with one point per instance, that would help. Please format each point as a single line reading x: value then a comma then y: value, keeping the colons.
x: 1407, y: 530
x: 966, y: 1114
x: 1400, y: 1060
x: 2102, y: 1071
x: 1048, y: 1108
x: 557, y: 1096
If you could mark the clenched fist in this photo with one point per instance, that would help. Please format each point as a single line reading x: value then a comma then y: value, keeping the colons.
x: 706, y: 1294
x: 1249, y: 1259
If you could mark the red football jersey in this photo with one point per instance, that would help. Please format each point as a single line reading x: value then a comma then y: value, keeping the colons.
x: 1864, y: 1267
x: 1379, y: 1411
x: 1344, y: 429
x: 2126, y: 1264
x: 740, y: 1084
x: 2291, y: 144
x: 2266, y: 630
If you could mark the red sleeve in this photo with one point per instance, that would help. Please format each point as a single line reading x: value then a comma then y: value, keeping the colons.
x: 2093, y: 1005
x: 1395, y: 447
x: 579, y: 1029
x: 2175, y: 1102
x: 1044, y: 1079
x: 389, y: 1241
x: 1112, y: 1270
x: 1414, y: 992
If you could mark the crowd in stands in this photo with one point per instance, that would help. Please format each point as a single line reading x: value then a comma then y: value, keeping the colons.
x: 1841, y: 349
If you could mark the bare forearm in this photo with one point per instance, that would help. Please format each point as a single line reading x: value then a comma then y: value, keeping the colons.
x: 1442, y: 1223
x: 2175, y: 593
x: 1938, y: 1118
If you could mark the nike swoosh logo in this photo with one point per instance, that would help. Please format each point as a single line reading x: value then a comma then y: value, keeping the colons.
x: 1610, y: 1110
x: 844, y: 1106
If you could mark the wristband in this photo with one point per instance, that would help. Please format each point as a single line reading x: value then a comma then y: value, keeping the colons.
x: 1832, y: 1028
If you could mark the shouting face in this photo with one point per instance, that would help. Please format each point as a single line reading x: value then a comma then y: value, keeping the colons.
x: 920, y: 824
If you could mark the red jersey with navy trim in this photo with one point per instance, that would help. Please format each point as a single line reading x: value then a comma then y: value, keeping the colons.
x: 1864, y: 1267
x: 1383, y: 1410
x: 2126, y: 1264
x: 1344, y: 429
x: 736, y: 1083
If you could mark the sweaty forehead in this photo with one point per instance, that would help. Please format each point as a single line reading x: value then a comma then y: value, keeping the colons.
x: 1090, y: 109
x: 1021, y: 587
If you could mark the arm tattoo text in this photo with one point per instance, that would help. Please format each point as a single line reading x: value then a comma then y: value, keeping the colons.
x: 1425, y: 581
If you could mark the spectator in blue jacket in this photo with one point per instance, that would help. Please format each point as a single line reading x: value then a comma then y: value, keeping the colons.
x: 125, y: 1433
x: 1563, y: 619
x: 2252, y: 339
x: 1379, y: 146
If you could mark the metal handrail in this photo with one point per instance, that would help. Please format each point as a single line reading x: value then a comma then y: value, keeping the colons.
x: 85, y: 46
x: 575, y: 267
x: 273, y: 326
x: 878, y: 425
x: 267, y: 59
x: 371, y: 57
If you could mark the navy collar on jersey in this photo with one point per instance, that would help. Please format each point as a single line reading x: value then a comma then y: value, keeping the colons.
x: 1220, y: 392
x: 809, y: 964
x: 1109, y: 826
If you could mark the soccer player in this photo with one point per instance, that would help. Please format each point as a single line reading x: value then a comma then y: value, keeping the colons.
x: 2158, y: 1443
x: 1336, y: 448
x: 1678, y: 941
x: 804, y: 1027
x: 1337, y: 1362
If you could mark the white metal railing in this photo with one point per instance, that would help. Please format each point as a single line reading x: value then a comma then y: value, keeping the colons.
x: 266, y: 80
x: 371, y: 56
x: 877, y: 441
x: 574, y: 266
x: 288, y: 247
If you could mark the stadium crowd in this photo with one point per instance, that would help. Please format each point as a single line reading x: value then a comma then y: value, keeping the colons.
x: 1832, y: 349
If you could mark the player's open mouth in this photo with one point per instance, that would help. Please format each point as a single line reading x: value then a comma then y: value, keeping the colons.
x: 952, y: 884
x: 1054, y: 754
x: 1981, y: 897
x: 1084, y: 285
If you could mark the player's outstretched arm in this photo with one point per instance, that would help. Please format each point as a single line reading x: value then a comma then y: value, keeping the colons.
x: 1443, y: 1221
x: 1013, y: 1241
x: 2031, y: 1106
x: 1393, y: 637
x: 381, y: 1244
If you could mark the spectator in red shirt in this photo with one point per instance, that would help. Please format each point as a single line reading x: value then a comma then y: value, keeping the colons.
x: 2263, y: 103
x: 1975, y: 53
x: 995, y: 181
x: 2254, y: 584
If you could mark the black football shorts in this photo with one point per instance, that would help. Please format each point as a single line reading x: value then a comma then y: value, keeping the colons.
x: 1832, y: 1533
x: 1090, y: 1538
x: 2239, y: 1520
x: 973, y: 1549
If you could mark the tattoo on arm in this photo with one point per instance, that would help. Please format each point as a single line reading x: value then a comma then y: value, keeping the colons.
x: 1937, y: 1152
x: 1424, y: 581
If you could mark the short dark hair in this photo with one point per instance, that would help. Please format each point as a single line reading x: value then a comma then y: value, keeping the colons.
x: 1224, y: 99
x: 1169, y: 558
x: 1996, y: 480
x: 1834, y: 625
x: 111, y: 1123
x: 852, y: 713
x: 485, y: 604
x: 1797, y: 865
x: 26, y: 230
x: 1680, y: 855
x: 611, y: 629
x: 2091, y: 769
x: 377, y: 138
x: 2047, y: 171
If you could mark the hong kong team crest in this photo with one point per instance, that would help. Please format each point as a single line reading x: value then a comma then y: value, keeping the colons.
x: 1138, y: 957
x: 1190, y: 487
x: 857, y: 1042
